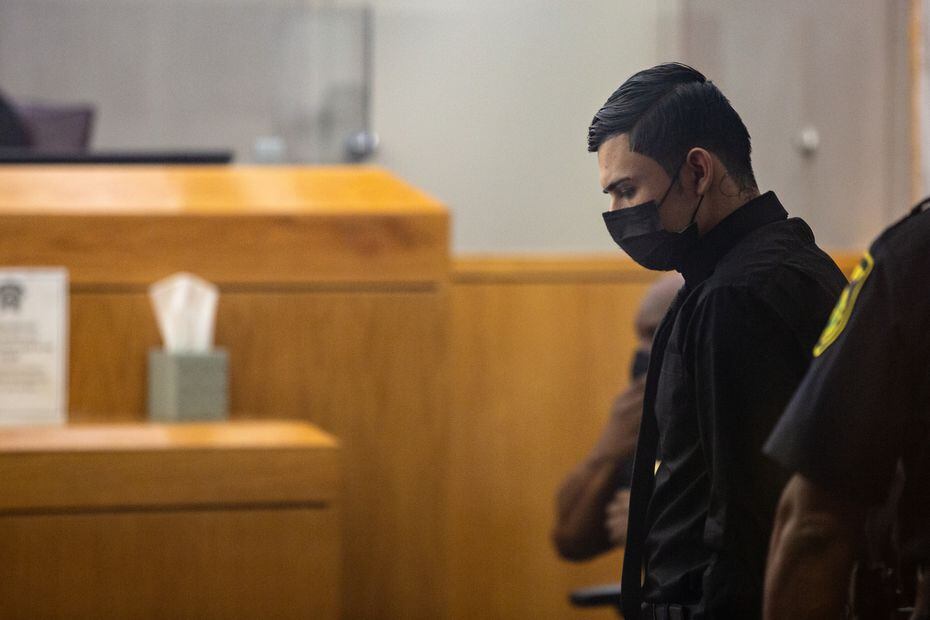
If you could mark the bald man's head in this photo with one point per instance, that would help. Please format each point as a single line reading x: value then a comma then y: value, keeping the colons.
x: 653, y: 307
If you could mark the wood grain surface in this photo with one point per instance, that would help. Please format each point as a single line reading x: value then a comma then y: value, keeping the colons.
x: 539, y: 351
x: 215, y: 520
x: 146, y: 466
x: 280, y: 563
x: 368, y: 367
x: 132, y: 226
x: 208, y: 190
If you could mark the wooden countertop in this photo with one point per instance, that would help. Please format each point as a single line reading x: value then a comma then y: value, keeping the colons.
x: 166, y: 466
x: 239, y: 226
x: 208, y: 190
x: 237, y: 435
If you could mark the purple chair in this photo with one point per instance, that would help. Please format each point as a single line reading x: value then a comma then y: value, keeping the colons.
x: 57, y: 128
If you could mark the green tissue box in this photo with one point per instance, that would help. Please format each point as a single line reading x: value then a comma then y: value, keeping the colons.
x: 188, y: 387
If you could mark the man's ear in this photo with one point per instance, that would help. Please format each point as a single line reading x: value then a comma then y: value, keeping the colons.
x: 700, y: 171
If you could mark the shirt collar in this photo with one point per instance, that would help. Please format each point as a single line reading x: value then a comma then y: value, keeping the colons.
x: 701, y: 261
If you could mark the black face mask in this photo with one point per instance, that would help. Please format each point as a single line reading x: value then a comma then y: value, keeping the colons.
x: 640, y: 364
x: 638, y: 231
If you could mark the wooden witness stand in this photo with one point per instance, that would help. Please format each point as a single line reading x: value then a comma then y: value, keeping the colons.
x: 333, y: 306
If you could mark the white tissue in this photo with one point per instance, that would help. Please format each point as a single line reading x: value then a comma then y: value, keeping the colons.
x: 185, y: 309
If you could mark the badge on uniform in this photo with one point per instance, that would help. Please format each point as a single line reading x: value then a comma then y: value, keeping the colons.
x: 844, y: 307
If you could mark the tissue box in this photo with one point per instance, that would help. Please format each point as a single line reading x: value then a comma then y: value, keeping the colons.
x: 188, y: 387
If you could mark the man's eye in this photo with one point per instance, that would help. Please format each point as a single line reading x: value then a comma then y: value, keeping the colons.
x: 626, y: 192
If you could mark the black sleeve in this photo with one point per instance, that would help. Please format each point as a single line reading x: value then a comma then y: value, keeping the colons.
x: 747, y: 363
x: 844, y: 426
x: 625, y: 473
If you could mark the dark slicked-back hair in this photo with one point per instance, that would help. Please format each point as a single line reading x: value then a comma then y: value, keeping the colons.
x: 669, y: 109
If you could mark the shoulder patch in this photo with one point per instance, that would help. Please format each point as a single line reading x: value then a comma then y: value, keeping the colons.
x: 844, y: 307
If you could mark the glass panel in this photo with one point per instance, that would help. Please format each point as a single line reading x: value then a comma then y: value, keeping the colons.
x: 273, y: 81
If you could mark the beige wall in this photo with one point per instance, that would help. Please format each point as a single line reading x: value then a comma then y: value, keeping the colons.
x: 921, y: 52
x: 486, y: 104
x: 838, y: 68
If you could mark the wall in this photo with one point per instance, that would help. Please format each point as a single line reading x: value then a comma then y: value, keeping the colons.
x: 486, y: 104
x: 839, y: 70
x: 921, y: 54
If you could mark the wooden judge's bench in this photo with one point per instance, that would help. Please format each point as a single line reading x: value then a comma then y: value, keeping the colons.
x: 333, y: 307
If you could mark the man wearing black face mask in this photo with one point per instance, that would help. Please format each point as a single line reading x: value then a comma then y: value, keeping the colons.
x: 674, y: 158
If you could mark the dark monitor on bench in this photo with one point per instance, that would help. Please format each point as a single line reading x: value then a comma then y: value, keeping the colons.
x: 10, y: 156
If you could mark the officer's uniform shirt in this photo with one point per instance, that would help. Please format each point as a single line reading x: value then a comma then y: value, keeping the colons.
x: 866, y: 401
x: 730, y: 353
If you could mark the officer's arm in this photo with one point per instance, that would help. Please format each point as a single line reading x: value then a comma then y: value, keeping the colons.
x: 580, y: 530
x: 811, y: 553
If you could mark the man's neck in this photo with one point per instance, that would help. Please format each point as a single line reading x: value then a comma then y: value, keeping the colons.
x: 723, y: 205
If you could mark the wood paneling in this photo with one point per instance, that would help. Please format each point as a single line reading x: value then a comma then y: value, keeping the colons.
x: 169, y: 521
x: 548, y: 268
x: 175, y: 564
x: 369, y: 367
x: 847, y: 261
x: 539, y: 350
x: 333, y: 306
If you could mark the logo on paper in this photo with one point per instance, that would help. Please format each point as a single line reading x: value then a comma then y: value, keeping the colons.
x: 11, y: 296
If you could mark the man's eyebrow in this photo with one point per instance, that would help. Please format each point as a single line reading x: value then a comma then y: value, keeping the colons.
x: 613, y: 185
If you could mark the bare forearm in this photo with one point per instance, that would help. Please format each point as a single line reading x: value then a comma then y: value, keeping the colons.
x: 580, y: 531
x: 811, y: 555
x: 809, y: 574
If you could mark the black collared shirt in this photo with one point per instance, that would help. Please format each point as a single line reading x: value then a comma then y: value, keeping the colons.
x: 865, y: 403
x: 734, y: 346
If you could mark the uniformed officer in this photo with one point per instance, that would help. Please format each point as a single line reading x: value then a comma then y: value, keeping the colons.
x: 674, y: 156
x: 863, y: 407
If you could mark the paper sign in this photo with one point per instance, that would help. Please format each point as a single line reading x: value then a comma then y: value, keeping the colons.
x: 33, y: 346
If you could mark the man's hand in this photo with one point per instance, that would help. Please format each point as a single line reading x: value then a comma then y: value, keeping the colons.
x: 618, y: 512
x: 581, y: 528
x: 626, y: 413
